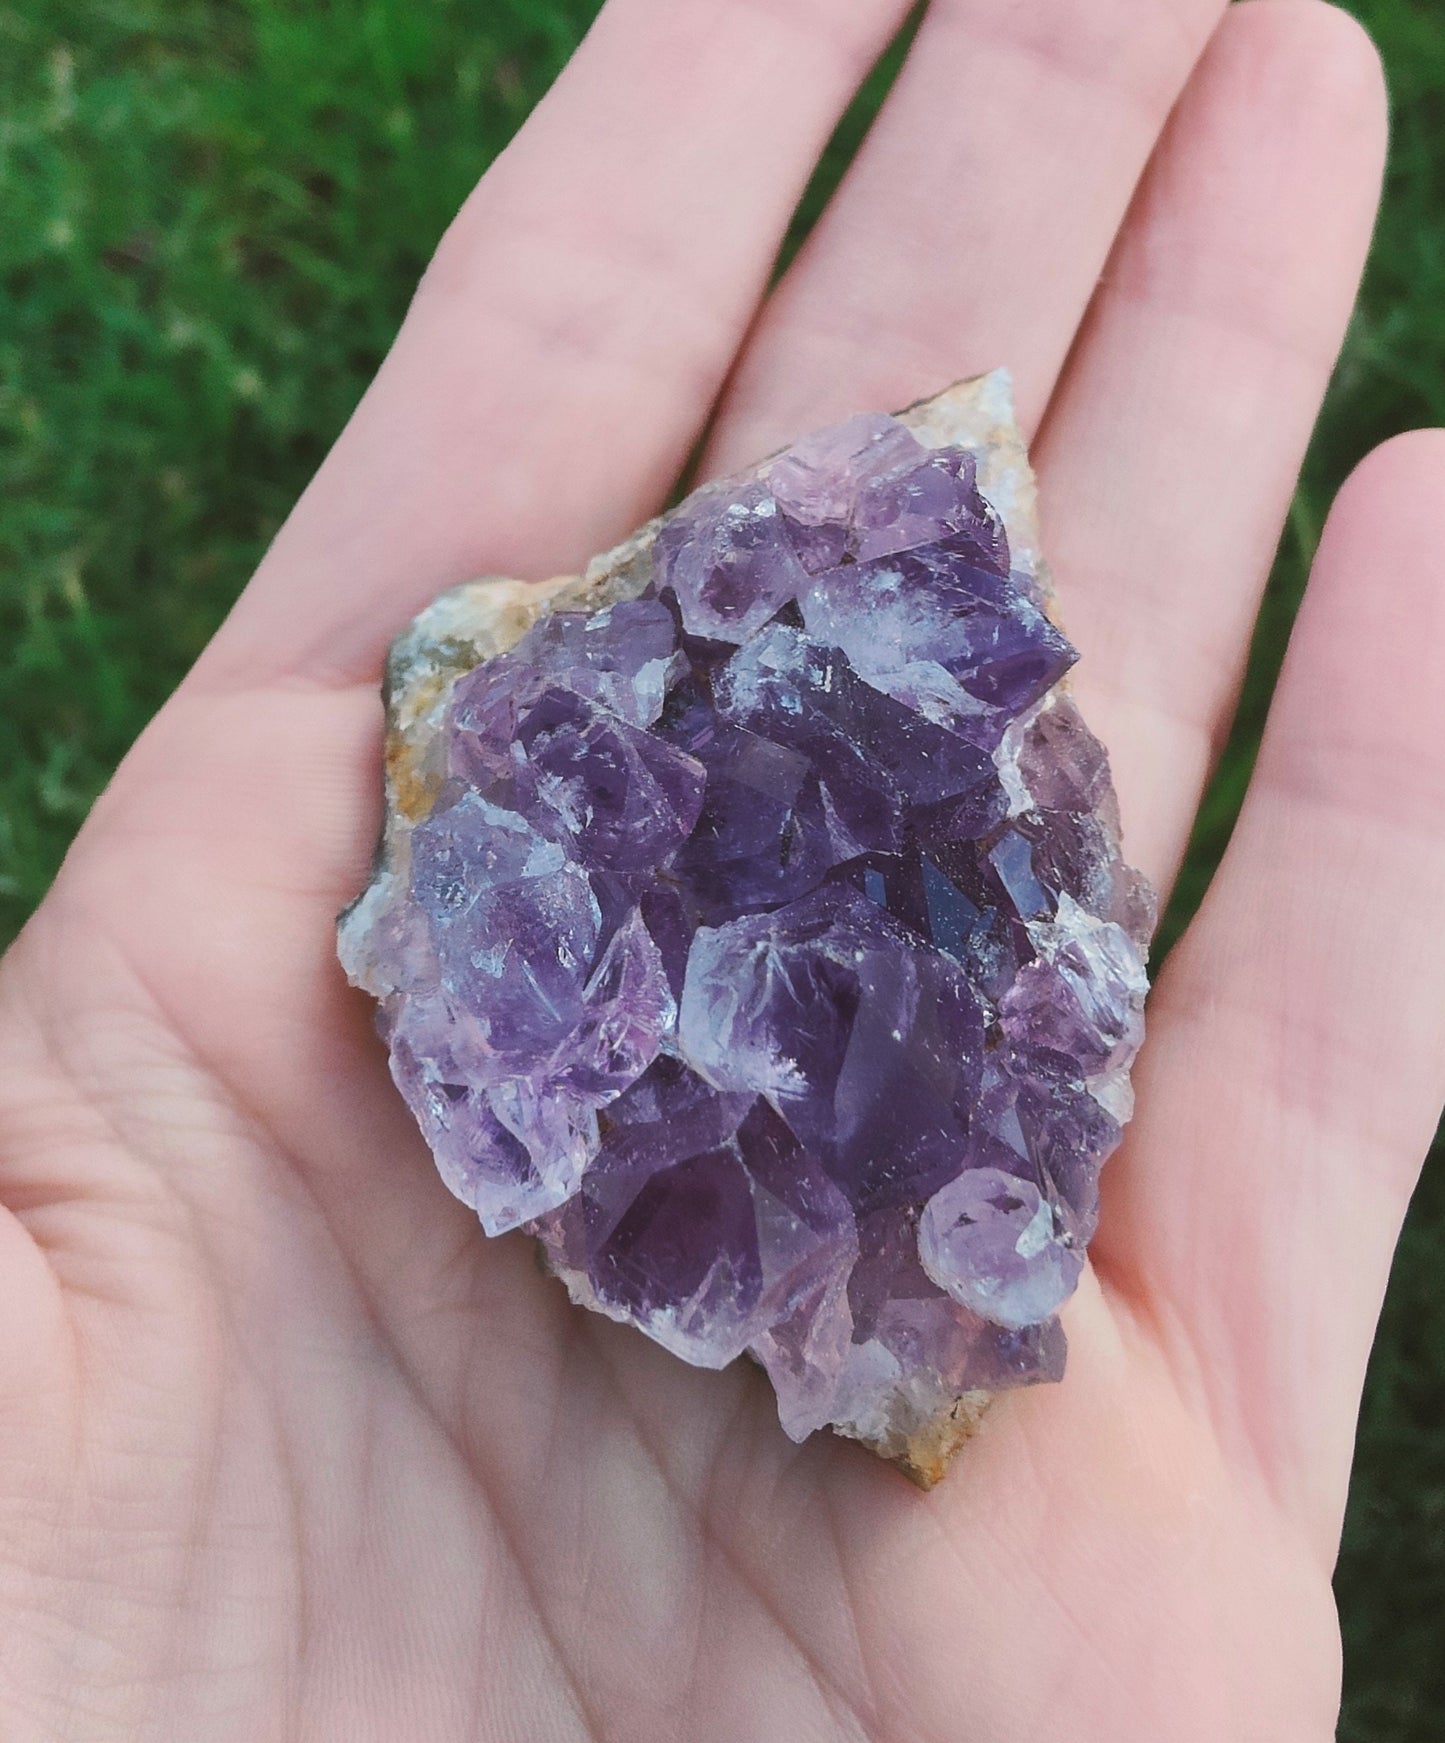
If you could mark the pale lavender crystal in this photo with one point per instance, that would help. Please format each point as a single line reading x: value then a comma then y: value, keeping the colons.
x: 519, y: 1021
x: 730, y: 563
x: 868, y: 488
x: 763, y: 942
x: 514, y: 925
x: 995, y: 1243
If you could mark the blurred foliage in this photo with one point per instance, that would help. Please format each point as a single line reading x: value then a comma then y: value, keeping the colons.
x: 214, y: 213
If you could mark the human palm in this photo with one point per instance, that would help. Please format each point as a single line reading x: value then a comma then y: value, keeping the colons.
x: 287, y: 1449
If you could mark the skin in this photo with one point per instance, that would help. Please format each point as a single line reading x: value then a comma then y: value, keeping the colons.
x: 287, y: 1449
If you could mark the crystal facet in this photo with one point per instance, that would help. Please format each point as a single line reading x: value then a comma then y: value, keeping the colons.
x: 751, y: 925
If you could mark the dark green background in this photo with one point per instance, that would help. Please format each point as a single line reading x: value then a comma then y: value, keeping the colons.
x: 211, y: 215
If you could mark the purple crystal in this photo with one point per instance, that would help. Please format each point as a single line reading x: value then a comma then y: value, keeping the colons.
x: 868, y: 1042
x: 764, y: 942
x: 869, y: 488
x: 729, y: 563
x: 521, y: 1019
x: 957, y: 643
x: 626, y: 799
x: 995, y: 1243
x: 513, y: 923
x: 677, y: 1156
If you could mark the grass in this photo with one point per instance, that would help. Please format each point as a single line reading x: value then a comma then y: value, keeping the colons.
x: 214, y: 213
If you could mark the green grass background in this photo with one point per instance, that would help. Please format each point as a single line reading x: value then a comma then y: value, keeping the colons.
x: 211, y: 215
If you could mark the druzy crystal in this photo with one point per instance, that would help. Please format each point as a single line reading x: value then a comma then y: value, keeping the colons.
x: 751, y: 925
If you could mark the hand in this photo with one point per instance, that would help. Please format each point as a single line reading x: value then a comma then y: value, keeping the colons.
x: 288, y: 1450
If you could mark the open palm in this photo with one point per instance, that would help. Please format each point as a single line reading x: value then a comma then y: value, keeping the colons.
x: 287, y: 1449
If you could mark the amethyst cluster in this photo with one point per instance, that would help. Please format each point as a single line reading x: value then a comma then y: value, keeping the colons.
x: 752, y: 927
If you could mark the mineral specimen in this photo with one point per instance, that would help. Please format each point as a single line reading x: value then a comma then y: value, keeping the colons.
x: 751, y: 925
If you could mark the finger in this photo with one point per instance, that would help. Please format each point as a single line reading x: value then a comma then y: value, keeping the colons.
x: 1296, y: 1065
x: 572, y: 330
x: 970, y: 231
x: 1172, y: 449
